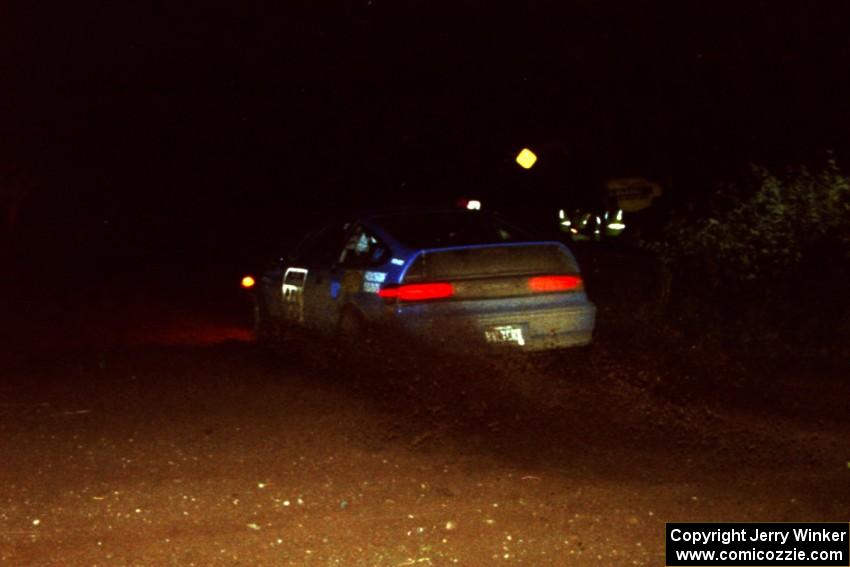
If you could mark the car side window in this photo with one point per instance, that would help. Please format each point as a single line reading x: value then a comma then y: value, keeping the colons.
x: 321, y: 247
x: 363, y: 250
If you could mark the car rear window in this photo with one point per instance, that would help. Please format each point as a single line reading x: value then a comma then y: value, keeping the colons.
x: 451, y: 228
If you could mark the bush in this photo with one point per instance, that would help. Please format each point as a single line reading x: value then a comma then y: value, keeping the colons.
x: 764, y: 253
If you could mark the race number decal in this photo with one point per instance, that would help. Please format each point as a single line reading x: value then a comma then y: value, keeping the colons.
x: 293, y: 294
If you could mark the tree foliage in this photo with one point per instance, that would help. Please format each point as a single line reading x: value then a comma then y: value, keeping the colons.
x: 764, y: 232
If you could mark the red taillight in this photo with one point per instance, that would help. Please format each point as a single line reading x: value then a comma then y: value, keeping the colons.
x: 418, y: 292
x: 544, y: 284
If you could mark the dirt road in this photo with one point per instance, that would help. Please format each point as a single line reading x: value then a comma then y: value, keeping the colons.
x: 195, y: 447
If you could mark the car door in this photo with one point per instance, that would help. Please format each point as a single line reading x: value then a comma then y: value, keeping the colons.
x: 319, y: 293
x: 358, y: 275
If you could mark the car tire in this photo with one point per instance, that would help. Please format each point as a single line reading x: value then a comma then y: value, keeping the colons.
x: 267, y: 331
x: 352, y: 325
x: 262, y: 327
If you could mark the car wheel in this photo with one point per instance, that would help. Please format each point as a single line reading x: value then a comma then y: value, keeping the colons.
x: 352, y: 325
x: 267, y: 330
x: 262, y: 328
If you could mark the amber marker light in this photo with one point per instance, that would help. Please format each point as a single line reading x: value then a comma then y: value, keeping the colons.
x: 248, y: 282
x: 526, y: 158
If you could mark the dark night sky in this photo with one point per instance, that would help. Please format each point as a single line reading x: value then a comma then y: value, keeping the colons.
x: 201, y: 113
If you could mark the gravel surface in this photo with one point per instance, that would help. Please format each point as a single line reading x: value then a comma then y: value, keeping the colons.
x: 196, y: 447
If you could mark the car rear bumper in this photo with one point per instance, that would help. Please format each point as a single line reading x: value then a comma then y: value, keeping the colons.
x: 544, y: 325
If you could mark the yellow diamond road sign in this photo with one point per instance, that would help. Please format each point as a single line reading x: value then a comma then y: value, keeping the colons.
x: 526, y: 158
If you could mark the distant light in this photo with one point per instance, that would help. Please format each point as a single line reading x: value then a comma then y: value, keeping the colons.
x: 561, y: 214
x: 248, y: 282
x: 617, y: 226
x: 468, y: 204
x: 526, y: 158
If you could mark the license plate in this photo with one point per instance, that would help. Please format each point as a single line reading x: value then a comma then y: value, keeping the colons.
x: 505, y: 334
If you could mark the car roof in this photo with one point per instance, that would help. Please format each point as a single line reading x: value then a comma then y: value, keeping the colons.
x: 440, y: 228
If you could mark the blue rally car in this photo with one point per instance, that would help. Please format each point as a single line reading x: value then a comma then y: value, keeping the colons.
x: 439, y: 275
